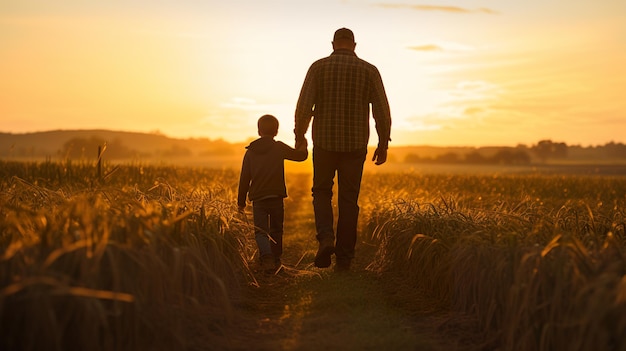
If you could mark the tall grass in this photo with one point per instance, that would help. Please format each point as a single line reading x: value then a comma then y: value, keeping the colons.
x: 154, y: 257
x: 149, y: 258
x: 538, y: 261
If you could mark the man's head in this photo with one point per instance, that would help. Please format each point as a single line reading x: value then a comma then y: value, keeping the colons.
x: 268, y: 126
x: 343, y: 39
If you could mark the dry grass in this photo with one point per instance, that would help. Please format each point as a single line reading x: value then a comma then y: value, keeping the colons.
x: 539, y: 266
x: 118, y: 266
x: 149, y: 257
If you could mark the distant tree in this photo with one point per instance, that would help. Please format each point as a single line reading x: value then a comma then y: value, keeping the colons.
x: 546, y: 149
x: 449, y: 157
x: 412, y: 158
x: 475, y: 158
x: 559, y: 150
x: 543, y: 149
x: 511, y: 157
x: 218, y: 150
x: 503, y: 156
x: 88, y: 148
x: 177, y: 151
x: 521, y: 157
x: 614, y: 150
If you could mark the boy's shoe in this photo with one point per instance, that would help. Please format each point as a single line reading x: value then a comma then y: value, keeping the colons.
x: 326, y: 249
x: 268, y: 264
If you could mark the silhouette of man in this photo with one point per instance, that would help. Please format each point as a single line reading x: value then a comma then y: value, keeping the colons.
x: 337, y: 93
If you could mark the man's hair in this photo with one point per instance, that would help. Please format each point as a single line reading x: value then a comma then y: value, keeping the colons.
x: 343, y: 34
x: 268, y: 125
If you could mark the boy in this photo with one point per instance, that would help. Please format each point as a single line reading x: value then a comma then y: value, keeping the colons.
x: 262, y: 180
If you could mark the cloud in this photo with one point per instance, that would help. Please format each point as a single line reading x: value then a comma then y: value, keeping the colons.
x: 449, y: 9
x: 427, y: 47
x: 440, y: 47
x: 470, y: 111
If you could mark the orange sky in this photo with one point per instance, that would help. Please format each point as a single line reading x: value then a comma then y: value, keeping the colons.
x: 481, y: 73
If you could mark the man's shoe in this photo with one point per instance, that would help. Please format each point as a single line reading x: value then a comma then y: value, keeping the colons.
x: 268, y: 264
x: 342, y: 265
x: 326, y: 249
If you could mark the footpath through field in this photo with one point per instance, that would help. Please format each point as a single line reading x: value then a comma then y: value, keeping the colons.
x: 306, y: 308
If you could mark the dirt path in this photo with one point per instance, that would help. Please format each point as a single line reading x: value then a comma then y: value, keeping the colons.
x: 306, y: 308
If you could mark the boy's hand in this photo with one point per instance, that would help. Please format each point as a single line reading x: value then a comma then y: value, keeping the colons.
x: 301, y: 143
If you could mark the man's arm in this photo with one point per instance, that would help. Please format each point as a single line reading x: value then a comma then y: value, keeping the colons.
x: 305, y: 107
x: 382, y: 118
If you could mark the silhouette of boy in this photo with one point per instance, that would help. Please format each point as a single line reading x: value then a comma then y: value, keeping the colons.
x: 262, y: 180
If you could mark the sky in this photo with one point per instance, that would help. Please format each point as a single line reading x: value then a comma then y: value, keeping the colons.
x: 457, y: 73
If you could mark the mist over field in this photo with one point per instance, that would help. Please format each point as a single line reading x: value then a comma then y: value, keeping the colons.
x: 156, y: 148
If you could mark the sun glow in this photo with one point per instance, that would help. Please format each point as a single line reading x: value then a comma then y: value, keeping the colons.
x: 482, y: 74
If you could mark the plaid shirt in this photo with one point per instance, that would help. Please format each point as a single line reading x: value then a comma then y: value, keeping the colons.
x: 337, y: 93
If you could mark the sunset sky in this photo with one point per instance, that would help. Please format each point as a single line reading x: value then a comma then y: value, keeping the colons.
x: 457, y: 73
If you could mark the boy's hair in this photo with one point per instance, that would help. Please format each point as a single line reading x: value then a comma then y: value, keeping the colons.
x: 268, y: 125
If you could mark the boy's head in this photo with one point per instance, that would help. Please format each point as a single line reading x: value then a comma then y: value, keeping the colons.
x: 268, y: 126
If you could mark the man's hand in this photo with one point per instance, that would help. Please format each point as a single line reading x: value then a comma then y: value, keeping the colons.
x: 380, y: 156
x: 301, y: 143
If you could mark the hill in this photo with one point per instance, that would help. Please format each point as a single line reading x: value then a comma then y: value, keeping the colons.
x: 120, y: 146
x: 84, y: 144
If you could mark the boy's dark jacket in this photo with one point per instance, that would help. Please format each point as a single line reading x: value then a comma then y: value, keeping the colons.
x: 263, y: 169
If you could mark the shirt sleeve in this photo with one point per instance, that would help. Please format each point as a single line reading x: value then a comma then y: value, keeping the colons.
x: 381, y: 111
x: 306, y: 103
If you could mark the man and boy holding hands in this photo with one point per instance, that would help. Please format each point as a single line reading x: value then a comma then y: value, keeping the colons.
x: 337, y: 93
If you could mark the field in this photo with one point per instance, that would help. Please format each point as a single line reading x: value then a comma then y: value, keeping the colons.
x: 141, y: 257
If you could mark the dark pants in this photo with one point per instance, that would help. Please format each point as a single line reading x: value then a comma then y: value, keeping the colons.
x: 268, y: 217
x: 349, y: 169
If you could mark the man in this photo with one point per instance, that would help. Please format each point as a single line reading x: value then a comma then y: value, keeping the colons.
x: 337, y: 93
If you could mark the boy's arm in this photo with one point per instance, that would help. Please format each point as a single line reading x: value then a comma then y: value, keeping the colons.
x: 244, y: 183
x: 300, y: 154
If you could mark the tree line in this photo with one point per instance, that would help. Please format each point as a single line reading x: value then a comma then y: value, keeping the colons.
x: 543, y: 151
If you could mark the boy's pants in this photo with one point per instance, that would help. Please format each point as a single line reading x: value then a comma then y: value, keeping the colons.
x: 268, y: 217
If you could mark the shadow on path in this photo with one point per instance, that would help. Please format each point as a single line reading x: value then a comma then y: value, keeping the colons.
x: 305, y: 308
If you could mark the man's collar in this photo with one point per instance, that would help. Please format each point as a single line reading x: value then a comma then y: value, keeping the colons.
x: 343, y: 52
